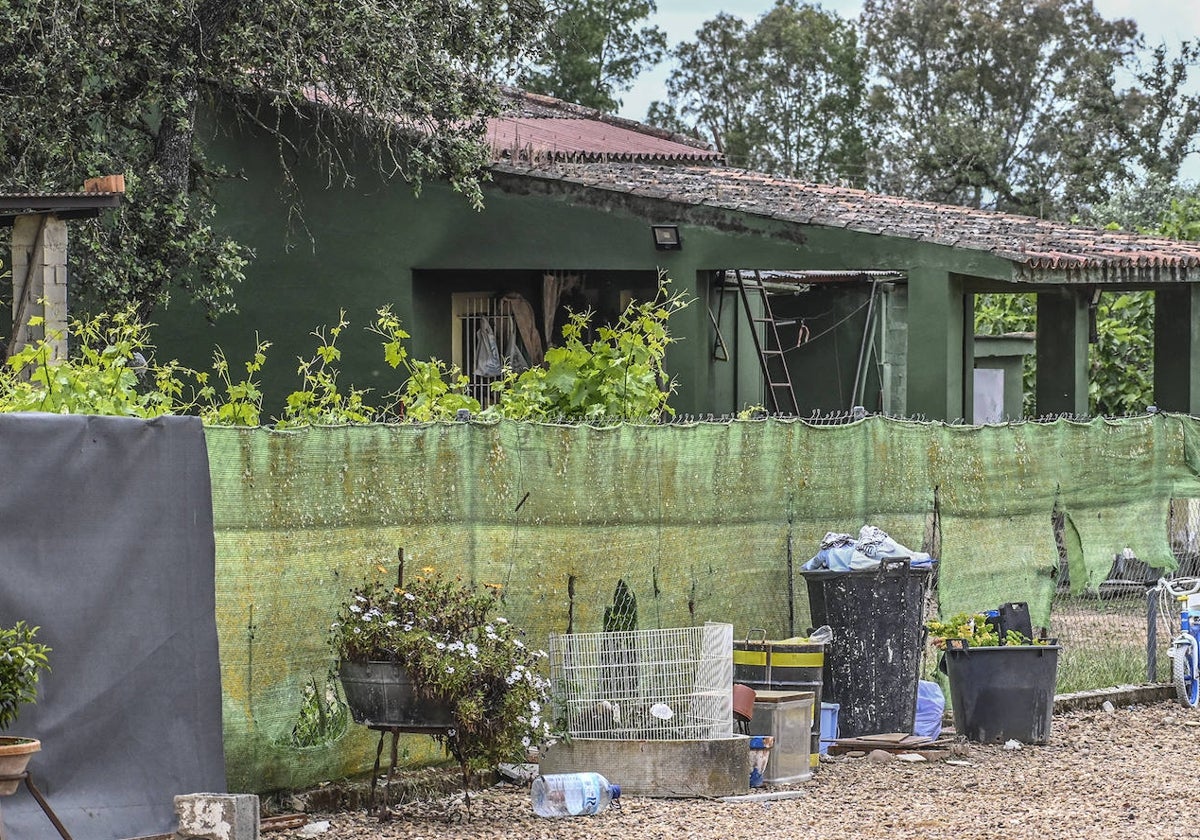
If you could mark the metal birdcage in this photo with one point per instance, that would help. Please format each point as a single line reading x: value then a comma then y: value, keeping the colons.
x: 671, y: 684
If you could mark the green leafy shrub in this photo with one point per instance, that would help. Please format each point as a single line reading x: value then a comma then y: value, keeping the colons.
x: 619, y: 375
x: 433, y: 390
x: 21, y: 662
x: 319, y: 401
x: 107, y: 374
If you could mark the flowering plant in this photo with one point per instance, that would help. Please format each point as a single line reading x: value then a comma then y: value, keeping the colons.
x: 445, y: 634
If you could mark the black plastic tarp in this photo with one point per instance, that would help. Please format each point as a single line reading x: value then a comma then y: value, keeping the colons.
x: 106, y: 542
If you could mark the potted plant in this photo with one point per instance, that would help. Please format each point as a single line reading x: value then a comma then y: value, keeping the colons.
x: 1001, y: 688
x: 21, y: 662
x: 430, y: 655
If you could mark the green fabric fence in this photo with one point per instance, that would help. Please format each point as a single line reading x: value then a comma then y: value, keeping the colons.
x: 696, y: 519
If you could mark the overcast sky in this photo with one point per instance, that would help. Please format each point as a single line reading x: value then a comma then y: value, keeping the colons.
x: 1159, y: 20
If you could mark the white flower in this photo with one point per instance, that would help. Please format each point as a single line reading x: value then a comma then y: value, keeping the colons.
x: 357, y: 630
x: 391, y: 623
x: 518, y: 643
x: 360, y: 599
x: 441, y: 645
x: 334, y: 626
x: 355, y: 608
x: 525, y: 742
x: 410, y: 596
x: 407, y: 628
x: 472, y: 649
x: 501, y: 620
x: 535, y: 720
x: 535, y: 706
x: 449, y: 669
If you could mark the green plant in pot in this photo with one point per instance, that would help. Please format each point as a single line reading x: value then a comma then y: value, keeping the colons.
x: 430, y: 654
x: 1001, y: 688
x: 21, y: 662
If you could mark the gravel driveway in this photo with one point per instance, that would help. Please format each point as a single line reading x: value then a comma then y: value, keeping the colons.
x: 1130, y: 773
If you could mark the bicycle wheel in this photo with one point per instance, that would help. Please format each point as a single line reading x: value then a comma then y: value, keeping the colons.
x: 1183, y: 672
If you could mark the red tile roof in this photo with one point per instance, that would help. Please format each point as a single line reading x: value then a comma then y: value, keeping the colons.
x: 1030, y: 243
x: 535, y: 138
x: 539, y: 127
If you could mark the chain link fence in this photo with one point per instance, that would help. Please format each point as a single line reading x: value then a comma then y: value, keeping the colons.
x: 1118, y: 633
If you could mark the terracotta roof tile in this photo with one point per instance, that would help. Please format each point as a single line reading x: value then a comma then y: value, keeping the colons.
x: 1029, y: 242
x: 576, y: 138
x: 537, y: 127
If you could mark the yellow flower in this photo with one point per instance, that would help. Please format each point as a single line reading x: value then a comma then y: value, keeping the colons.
x: 494, y: 585
x: 428, y: 570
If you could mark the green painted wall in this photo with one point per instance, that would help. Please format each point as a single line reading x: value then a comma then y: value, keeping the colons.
x: 372, y: 243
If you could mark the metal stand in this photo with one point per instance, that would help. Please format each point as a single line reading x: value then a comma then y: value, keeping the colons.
x: 41, y: 800
x: 383, y: 732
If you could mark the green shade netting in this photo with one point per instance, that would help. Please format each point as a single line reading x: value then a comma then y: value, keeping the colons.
x: 703, y: 522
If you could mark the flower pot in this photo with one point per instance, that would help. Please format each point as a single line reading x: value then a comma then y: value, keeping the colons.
x: 14, y: 755
x: 381, y: 694
x: 1003, y: 693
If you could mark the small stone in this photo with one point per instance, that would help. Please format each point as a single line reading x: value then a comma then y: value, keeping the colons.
x: 1012, y: 744
x: 313, y: 829
x: 912, y: 758
x: 880, y: 756
x: 1108, y: 706
x: 958, y: 762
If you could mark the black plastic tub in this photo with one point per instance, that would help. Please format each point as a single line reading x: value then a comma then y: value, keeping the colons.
x: 1004, y: 693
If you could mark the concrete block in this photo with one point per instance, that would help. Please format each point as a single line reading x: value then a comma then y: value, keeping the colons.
x: 681, y: 769
x: 217, y: 816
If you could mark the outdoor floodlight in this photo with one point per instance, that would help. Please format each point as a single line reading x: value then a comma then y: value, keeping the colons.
x: 667, y: 238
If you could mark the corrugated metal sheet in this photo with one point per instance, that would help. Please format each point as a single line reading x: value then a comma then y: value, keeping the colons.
x: 556, y: 138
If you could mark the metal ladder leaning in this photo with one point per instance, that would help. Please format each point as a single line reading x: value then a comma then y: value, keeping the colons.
x: 780, y: 393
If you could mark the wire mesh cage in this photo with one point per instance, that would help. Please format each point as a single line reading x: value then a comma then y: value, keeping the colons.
x: 670, y: 684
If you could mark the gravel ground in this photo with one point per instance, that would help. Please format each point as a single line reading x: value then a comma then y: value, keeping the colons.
x: 1129, y: 773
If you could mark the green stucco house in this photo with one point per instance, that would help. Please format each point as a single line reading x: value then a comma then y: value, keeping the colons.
x: 867, y: 298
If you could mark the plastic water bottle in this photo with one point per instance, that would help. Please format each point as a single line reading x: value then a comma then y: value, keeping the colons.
x: 572, y: 794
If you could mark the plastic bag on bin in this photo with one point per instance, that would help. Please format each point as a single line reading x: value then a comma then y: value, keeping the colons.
x: 839, y: 553
x: 878, y: 544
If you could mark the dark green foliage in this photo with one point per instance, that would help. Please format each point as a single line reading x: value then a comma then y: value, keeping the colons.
x: 94, y: 87
x: 785, y: 95
x: 594, y: 50
x: 622, y: 615
x: 1006, y: 103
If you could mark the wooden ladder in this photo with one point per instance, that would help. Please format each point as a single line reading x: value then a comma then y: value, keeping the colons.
x: 781, y: 396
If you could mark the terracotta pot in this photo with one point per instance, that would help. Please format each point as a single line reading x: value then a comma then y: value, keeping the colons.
x: 14, y: 755
x: 743, y: 701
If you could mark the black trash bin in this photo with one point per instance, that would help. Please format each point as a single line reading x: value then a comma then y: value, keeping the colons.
x: 873, y: 663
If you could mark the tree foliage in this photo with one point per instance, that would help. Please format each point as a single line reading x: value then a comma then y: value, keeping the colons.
x: 594, y: 50
x: 785, y: 95
x: 106, y: 86
x: 1007, y: 103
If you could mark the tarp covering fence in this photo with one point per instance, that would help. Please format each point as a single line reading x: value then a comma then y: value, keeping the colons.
x: 696, y: 519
